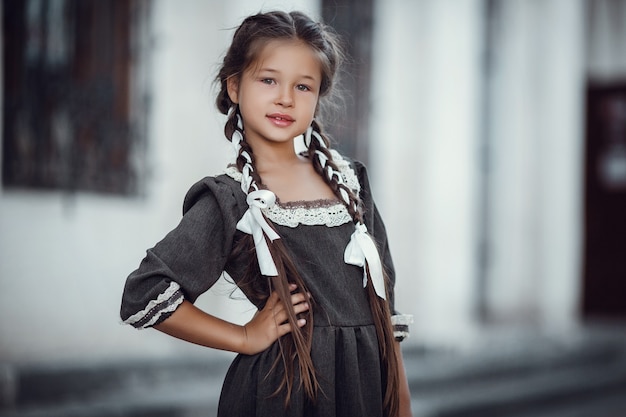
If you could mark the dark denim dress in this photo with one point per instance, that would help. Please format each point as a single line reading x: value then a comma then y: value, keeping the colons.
x: 191, y: 258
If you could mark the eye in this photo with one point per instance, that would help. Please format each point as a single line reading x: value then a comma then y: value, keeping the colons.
x: 303, y: 87
x: 268, y: 81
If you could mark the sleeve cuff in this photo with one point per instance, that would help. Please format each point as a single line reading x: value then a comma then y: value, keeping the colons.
x: 158, y: 309
x: 400, y: 323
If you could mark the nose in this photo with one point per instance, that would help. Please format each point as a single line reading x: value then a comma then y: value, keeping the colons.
x: 285, y: 97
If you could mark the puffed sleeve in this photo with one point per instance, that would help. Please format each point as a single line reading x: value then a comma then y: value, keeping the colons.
x: 189, y: 259
x: 376, y: 229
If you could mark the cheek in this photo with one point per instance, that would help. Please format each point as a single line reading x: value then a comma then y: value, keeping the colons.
x: 312, y: 104
x: 248, y: 99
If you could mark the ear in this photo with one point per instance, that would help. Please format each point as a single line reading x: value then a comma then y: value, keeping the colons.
x: 232, y: 86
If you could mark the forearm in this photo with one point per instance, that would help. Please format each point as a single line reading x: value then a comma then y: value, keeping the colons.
x: 193, y: 325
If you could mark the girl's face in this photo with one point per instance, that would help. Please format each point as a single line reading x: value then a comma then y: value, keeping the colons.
x: 278, y: 94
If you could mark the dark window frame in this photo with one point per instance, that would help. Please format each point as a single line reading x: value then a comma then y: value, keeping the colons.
x: 75, y: 103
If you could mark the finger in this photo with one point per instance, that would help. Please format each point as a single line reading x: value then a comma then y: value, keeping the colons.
x: 282, y: 316
x: 275, y: 297
x: 283, y: 329
x: 297, y: 298
x: 300, y: 308
x: 272, y: 300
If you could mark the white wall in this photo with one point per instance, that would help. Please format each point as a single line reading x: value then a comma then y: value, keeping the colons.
x: 427, y: 107
x: 64, y: 259
x: 425, y: 126
x: 536, y: 178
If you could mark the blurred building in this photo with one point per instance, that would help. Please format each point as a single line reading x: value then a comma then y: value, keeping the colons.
x: 494, y: 131
x: 513, y: 217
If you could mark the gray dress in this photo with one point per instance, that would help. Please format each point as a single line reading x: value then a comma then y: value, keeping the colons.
x: 190, y: 259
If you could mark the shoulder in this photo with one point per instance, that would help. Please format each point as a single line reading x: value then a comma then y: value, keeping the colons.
x: 353, y: 171
x: 221, y: 191
x: 363, y: 188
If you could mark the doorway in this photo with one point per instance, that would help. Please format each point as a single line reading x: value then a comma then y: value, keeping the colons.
x: 604, y: 279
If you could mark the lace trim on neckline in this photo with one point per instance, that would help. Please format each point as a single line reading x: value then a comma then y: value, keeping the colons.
x: 324, y: 212
x: 323, y: 202
x: 329, y: 216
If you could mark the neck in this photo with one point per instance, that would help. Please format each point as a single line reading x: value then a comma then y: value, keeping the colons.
x: 273, y: 155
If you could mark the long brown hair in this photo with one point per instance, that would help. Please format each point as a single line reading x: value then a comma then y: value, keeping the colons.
x: 295, y: 347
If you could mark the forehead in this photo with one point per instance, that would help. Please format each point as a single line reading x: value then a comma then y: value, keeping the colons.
x: 291, y: 57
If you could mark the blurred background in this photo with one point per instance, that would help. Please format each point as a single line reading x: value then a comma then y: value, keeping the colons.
x: 495, y: 136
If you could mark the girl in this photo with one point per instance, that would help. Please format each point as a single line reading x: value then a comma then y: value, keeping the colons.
x: 298, y: 233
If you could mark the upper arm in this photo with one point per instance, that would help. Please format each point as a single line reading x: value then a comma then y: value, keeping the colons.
x: 186, y: 262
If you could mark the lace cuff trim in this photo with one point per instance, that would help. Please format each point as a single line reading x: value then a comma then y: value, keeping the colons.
x: 328, y: 213
x: 165, y: 303
x: 400, y: 323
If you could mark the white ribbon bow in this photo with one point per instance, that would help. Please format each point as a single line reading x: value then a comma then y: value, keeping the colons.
x: 253, y: 223
x: 362, y: 250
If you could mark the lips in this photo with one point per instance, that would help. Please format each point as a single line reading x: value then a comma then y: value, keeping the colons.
x: 281, y: 120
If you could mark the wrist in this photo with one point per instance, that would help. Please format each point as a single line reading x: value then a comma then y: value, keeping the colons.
x: 243, y: 341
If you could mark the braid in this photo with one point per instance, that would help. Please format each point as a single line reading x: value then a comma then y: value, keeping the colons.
x: 322, y: 160
x: 245, y: 157
x: 295, y: 347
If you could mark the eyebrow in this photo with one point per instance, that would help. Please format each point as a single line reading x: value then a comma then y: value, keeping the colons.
x: 275, y: 71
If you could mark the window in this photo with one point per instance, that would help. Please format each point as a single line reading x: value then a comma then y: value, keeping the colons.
x: 75, y: 106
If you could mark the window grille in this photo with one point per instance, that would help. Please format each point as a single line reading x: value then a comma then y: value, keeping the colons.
x: 75, y: 100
